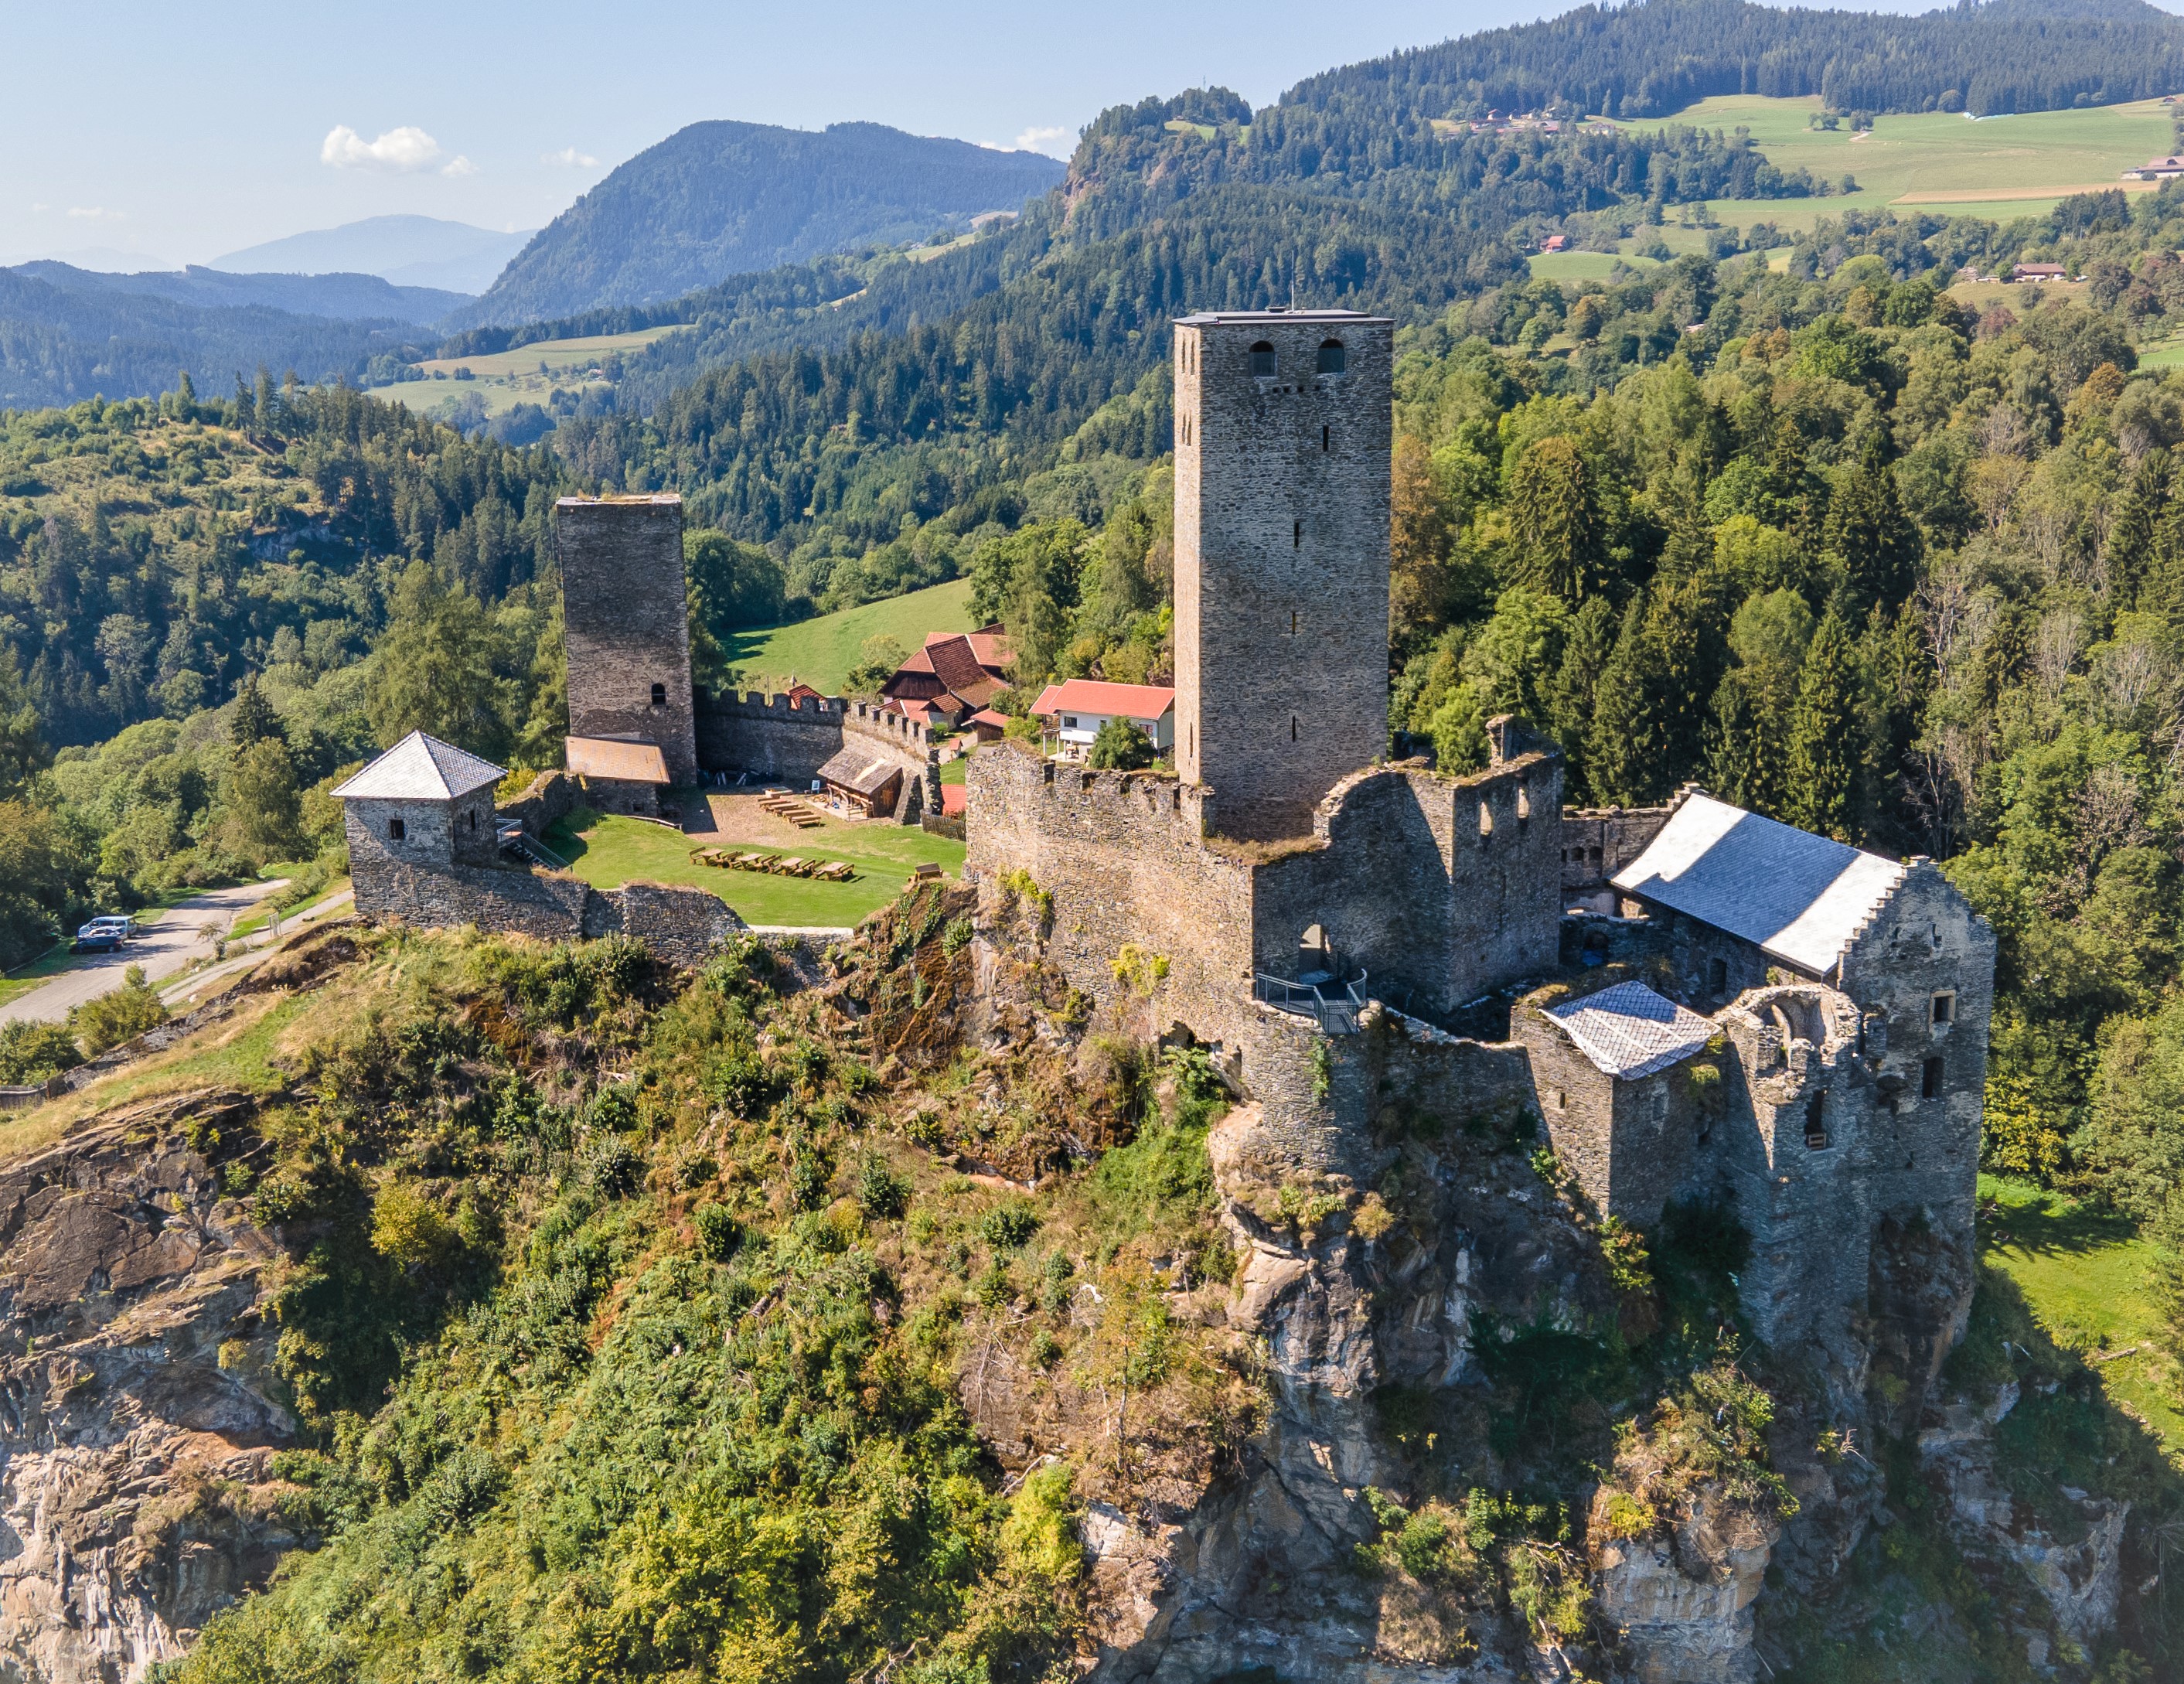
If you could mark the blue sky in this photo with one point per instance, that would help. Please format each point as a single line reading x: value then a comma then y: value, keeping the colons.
x: 185, y: 130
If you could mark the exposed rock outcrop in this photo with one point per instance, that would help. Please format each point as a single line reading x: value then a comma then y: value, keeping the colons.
x: 136, y: 1495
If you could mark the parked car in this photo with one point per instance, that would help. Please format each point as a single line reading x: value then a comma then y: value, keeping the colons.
x: 99, y: 936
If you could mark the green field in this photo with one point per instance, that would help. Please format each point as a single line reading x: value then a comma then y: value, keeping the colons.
x: 530, y: 374
x: 608, y: 851
x: 821, y: 652
x: 1583, y: 266
x: 2083, y: 1274
x: 1940, y: 163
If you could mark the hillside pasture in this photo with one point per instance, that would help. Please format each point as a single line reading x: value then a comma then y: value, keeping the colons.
x: 530, y: 374
x: 820, y: 652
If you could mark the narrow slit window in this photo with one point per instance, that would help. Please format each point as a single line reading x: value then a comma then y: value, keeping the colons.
x: 1816, y: 1121
x: 1485, y: 821
x: 396, y: 830
x: 1929, y: 1079
x: 1296, y: 534
x: 1293, y: 727
x: 1323, y: 438
x: 1523, y: 805
x: 1944, y: 1010
x: 1720, y: 976
x: 1293, y: 622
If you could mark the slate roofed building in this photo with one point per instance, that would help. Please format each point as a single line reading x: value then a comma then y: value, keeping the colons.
x: 955, y: 674
x: 1797, y: 898
x: 424, y: 802
x: 863, y: 778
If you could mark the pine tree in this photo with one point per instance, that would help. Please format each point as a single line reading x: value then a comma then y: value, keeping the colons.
x: 253, y: 720
x: 1568, y: 699
x: 1627, y: 747
x: 2131, y: 538
x: 1826, y: 738
x: 1867, y: 530
x: 1553, y: 508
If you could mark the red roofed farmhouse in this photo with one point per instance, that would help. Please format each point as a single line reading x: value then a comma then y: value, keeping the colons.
x: 1080, y: 707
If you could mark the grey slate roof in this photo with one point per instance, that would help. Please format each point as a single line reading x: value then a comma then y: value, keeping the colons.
x: 1629, y: 1031
x: 420, y: 768
x: 1799, y: 897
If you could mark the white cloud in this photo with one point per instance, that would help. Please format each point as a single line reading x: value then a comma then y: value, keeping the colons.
x: 458, y: 166
x: 1054, y: 141
x: 568, y: 157
x: 405, y: 148
x: 94, y: 213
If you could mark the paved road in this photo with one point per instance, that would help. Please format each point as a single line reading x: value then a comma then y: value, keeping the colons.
x: 194, y: 988
x: 184, y: 934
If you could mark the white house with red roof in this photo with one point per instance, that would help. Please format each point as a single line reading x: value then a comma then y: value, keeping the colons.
x: 1080, y: 706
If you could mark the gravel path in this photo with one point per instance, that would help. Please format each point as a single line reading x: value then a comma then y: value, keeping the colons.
x: 185, y: 933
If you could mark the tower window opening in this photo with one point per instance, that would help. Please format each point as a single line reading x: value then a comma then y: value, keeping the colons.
x: 1293, y: 727
x: 1296, y: 534
x: 1523, y: 805
x: 1263, y: 361
x: 1293, y: 622
x: 1816, y: 1121
x: 1929, y: 1079
x: 660, y: 695
x: 396, y: 830
x: 1323, y: 438
x: 1945, y: 1009
x: 1720, y: 978
x: 1485, y: 821
x: 1332, y: 357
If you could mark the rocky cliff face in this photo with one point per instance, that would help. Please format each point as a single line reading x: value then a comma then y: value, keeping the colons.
x: 136, y: 1491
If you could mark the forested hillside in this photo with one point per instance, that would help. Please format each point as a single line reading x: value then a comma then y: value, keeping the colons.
x: 723, y: 198
x: 1658, y: 56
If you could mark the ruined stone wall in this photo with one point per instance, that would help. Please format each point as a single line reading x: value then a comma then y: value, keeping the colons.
x: 1442, y: 889
x: 1598, y: 842
x: 1281, y: 561
x: 549, y: 797
x: 680, y: 925
x: 779, y: 737
x: 626, y: 622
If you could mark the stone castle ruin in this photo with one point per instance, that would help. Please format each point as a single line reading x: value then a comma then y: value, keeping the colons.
x: 1791, y: 1025
x: 1693, y: 1000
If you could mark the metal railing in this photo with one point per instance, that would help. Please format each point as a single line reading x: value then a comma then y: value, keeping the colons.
x: 522, y: 842
x: 1337, y: 1012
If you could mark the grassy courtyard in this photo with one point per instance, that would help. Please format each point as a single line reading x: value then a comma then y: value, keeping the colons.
x: 608, y: 850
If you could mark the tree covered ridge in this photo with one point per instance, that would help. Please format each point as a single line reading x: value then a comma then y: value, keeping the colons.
x: 1658, y: 56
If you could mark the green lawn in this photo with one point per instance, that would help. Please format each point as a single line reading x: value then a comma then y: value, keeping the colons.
x: 51, y: 965
x: 2083, y: 1272
x: 1583, y: 266
x: 610, y: 850
x: 821, y: 652
x: 1939, y: 162
x: 2170, y: 355
x: 530, y: 374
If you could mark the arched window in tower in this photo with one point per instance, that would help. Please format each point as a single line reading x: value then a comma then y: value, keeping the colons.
x: 1333, y: 359
x: 660, y: 695
x: 1263, y: 361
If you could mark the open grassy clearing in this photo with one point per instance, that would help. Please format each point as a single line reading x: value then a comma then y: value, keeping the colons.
x: 820, y: 652
x: 2083, y: 1273
x: 609, y: 850
x: 1583, y: 266
x: 530, y: 374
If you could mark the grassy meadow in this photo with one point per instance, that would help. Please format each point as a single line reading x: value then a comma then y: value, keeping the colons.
x: 2083, y: 1275
x: 820, y: 652
x: 531, y: 374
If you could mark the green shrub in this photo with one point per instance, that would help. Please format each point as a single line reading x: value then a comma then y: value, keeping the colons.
x: 1009, y: 1226
x: 122, y: 1015
x: 882, y: 1194
x: 718, y: 1231
x: 30, y: 1053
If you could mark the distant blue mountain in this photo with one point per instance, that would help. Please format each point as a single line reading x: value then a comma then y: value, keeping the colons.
x: 340, y: 297
x: 717, y: 199
x: 411, y: 251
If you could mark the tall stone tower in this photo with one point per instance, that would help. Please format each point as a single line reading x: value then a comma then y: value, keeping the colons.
x: 624, y: 624
x: 1282, y: 437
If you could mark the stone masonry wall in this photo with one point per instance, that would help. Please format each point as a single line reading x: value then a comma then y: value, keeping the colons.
x: 1281, y: 561
x: 1442, y: 889
x: 626, y: 622
x: 548, y: 797
x: 790, y: 741
x: 434, y: 832
x: 1598, y: 842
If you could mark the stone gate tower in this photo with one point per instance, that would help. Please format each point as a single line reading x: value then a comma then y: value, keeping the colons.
x: 626, y: 625
x: 1282, y: 439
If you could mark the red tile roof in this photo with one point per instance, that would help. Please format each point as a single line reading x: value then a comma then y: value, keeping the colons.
x: 952, y: 798
x: 986, y: 715
x: 1094, y: 695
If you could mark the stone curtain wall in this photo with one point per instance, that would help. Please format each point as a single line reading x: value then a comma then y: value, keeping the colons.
x: 678, y: 925
x: 1598, y: 842
x: 1281, y: 563
x: 626, y: 622
x: 790, y: 741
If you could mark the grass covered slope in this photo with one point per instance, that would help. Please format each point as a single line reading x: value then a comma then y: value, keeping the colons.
x: 821, y: 652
